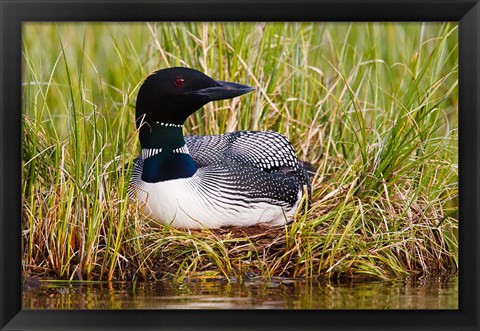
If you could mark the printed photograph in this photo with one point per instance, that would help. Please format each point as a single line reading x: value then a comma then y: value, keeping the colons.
x: 240, y: 165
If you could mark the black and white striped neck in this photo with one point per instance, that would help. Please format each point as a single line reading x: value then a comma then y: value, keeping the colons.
x: 164, y: 153
x: 151, y: 152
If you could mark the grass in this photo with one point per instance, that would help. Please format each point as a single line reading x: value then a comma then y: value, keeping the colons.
x: 372, y: 105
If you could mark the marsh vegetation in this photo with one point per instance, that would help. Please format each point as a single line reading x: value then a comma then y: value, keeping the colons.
x: 372, y: 105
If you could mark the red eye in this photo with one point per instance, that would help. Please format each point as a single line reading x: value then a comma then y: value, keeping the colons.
x: 179, y: 82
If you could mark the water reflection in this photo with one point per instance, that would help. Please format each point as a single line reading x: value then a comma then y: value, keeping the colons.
x: 428, y: 293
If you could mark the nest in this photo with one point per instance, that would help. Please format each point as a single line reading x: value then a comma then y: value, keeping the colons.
x: 232, y: 252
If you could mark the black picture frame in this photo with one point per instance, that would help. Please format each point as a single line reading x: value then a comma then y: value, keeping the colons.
x: 14, y: 12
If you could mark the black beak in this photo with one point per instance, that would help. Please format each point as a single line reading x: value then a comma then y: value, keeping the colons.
x: 223, y: 90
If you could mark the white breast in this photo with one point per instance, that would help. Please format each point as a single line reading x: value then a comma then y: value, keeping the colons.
x: 183, y: 203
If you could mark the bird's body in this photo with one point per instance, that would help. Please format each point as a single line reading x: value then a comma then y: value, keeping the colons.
x: 235, y: 179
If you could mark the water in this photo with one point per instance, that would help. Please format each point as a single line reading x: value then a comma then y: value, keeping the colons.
x: 427, y: 293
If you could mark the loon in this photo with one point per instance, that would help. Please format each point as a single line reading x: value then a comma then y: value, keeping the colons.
x: 240, y: 178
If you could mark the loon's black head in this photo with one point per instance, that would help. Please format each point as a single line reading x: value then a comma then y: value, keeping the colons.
x: 171, y: 95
